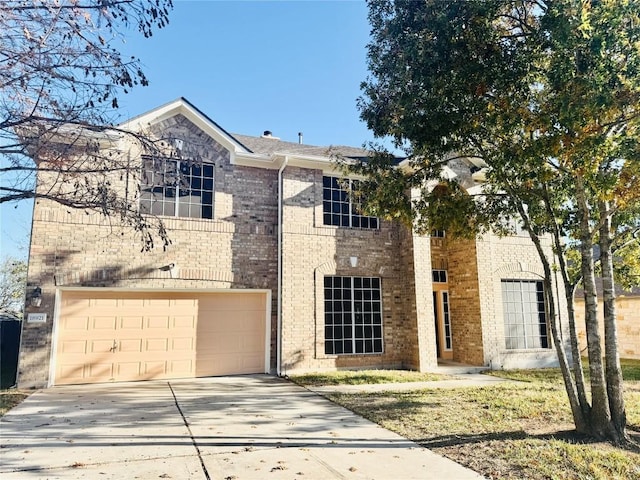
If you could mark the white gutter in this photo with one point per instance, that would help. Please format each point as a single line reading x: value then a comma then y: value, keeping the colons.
x: 280, y: 269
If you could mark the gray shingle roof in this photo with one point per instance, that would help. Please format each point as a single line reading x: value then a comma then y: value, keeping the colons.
x: 269, y: 146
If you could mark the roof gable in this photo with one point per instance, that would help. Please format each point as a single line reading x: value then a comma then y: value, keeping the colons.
x: 183, y: 107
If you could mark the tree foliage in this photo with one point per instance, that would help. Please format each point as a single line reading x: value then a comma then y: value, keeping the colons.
x: 13, y: 280
x: 543, y: 96
x: 61, y: 75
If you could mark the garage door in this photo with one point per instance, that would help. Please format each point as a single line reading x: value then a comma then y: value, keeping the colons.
x: 109, y: 336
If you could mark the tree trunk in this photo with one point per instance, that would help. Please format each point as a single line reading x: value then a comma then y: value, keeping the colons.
x: 612, y: 357
x: 569, y: 290
x: 600, y: 418
x: 580, y: 420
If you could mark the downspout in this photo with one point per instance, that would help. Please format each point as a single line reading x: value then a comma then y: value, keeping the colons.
x: 280, y: 270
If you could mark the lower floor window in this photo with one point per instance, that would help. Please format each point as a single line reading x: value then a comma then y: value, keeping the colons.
x: 525, y: 319
x: 352, y: 315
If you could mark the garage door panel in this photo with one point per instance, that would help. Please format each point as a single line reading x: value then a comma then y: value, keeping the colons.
x: 131, y: 323
x: 75, y: 323
x: 184, y: 322
x: 101, y: 346
x: 100, y: 370
x: 73, y: 347
x: 131, y: 303
x: 156, y: 345
x: 231, y: 334
x: 253, y: 342
x: 155, y: 369
x: 157, y: 322
x: 121, y: 336
x: 104, y: 323
x: 131, y: 345
x: 182, y: 344
x: 72, y: 373
x: 182, y: 368
x: 105, y: 302
x: 128, y: 370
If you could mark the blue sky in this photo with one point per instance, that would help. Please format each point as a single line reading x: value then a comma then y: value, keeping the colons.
x: 284, y: 66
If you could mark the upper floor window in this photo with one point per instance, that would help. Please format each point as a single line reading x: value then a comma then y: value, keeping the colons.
x: 439, y: 276
x: 438, y: 234
x: 176, y: 188
x: 338, y: 209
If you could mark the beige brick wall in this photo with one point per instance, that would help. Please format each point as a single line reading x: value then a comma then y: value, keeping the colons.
x: 466, y: 316
x: 516, y: 258
x: 312, y: 250
x: 628, y: 318
x: 237, y: 249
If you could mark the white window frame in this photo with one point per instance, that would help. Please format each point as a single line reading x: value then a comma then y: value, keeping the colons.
x: 523, y: 310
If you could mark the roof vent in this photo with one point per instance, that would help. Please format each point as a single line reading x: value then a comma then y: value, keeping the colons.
x: 268, y: 134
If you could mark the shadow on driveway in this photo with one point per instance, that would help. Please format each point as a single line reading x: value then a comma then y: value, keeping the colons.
x: 241, y: 427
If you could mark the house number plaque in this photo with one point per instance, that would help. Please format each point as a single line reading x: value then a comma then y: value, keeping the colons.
x: 37, y: 318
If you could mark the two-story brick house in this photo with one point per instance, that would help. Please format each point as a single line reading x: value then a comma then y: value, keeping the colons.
x: 270, y: 270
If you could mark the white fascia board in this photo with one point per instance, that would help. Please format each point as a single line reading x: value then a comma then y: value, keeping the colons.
x: 247, y: 159
x: 275, y: 160
x: 326, y: 164
x: 69, y: 133
x: 180, y: 106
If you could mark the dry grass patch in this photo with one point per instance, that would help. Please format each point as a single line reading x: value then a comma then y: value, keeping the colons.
x: 9, y: 399
x: 362, y: 377
x: 509, y: 430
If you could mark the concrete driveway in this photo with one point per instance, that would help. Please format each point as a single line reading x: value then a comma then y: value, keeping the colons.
x: 242, y: 427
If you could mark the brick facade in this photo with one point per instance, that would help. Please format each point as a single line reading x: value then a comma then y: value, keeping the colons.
x: 238, y: 249
x: 628, y: 318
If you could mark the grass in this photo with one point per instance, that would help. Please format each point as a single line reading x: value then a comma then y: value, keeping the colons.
x: 9, y: 399
x: 361, y: 377
x: 507, y: 431
x: 630, y: 372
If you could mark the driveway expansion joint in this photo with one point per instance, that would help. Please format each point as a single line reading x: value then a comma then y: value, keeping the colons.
x: 193, y: 439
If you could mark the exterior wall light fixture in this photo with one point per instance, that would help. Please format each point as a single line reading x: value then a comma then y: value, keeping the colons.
x: 36, y: 297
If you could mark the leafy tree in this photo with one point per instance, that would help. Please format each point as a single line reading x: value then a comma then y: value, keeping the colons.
x: 61, y: 75
x: 13, y: 280
x: 544, y: 97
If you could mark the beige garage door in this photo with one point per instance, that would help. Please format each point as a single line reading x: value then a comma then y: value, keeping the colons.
x: 116, y: 336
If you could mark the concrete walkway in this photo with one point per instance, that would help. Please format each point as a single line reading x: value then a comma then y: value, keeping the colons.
x: 232, y: 428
